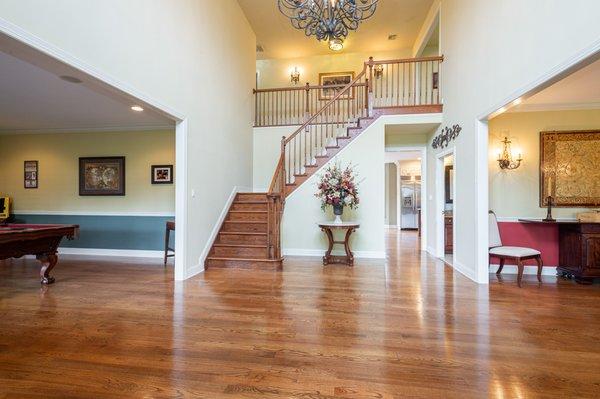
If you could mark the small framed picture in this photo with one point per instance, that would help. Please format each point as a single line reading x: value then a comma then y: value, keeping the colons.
x: 162, y: 174
x: 30, y: 174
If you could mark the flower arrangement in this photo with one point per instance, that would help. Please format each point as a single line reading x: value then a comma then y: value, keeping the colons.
x: 337, y: 187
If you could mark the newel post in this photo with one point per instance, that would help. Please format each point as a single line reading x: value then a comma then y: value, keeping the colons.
x: 282, y: 173
x: 370, y: 88
x: 307, y: 102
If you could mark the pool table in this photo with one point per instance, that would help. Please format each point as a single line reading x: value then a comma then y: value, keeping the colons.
x: 41, y: 240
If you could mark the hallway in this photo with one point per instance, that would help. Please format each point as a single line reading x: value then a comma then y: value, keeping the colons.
x: 408, y: 327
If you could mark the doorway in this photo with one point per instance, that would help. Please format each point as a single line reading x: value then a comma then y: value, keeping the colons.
x: 445, y: 206
x: 404, y: 209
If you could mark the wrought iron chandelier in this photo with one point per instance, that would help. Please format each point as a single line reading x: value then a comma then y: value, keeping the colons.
x: 328, y: 20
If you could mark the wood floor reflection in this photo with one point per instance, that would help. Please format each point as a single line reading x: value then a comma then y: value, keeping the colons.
x: 407, y: 327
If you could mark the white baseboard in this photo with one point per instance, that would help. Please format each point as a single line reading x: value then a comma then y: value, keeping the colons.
x: 215, y: 230
x: 320, y: 252
x: 196, y: 269
x: 512, y: 269
x: 431, y: 251
x: 134, y: 253
x: 462, y: 269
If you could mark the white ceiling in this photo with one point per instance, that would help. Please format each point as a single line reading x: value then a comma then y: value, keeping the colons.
x: 279, y: 39
x: 32, y: 99
x: 580, y: 90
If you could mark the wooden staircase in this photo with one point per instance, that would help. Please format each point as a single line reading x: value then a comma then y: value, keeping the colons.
x: 242, y: 241
x: 250, y: 236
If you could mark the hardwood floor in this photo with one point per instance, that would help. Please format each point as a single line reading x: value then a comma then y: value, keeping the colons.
x: 405, y: 328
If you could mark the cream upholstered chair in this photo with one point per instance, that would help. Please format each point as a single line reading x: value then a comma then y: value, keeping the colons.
x: 518, y: 254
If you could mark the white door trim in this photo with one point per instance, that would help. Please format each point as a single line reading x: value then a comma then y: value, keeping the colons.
x: 440, y: 203
x: 424, y: 208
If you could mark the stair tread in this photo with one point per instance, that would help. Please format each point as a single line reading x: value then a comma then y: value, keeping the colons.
x: 249, y: 211
x: 250, y: 202
x: 243, y: 259
x: 244, y: 221
x: 243, y: 233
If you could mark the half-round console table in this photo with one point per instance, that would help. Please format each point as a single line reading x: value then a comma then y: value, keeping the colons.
x: 327, y: 228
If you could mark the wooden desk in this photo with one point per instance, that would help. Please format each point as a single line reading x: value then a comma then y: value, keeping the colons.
x: 578, y: 249
x: 327, y: 228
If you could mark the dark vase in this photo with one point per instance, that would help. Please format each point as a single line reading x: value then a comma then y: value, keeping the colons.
x: 337, y: 211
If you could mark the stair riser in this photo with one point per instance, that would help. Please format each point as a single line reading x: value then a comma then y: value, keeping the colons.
x: 242, y: 264
x: 250, y: 197
x: 241, y: 239
x: 245, y: 227
x: 239, y: 252
x: 247, y: 217
x: 240, y: 206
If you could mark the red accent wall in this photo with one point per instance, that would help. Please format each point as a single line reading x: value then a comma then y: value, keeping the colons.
x: 544, y: 238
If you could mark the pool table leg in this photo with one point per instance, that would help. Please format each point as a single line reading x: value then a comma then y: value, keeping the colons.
x: 48, y: 262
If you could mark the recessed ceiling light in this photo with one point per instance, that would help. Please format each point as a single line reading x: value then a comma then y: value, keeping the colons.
x: 71, y: 79
x: 137, y: 108
x: 336, y: 45
x: 392, y: 37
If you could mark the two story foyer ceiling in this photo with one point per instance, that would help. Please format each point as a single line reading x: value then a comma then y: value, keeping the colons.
x: 327, y: 20
x: 279, y: 39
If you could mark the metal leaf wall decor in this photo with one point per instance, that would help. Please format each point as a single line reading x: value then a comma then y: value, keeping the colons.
x: 443, y: 139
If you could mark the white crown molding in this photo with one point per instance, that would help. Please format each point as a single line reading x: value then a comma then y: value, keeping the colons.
x: 90, y: 129
x: 554, y: 107
x: 94, y: 213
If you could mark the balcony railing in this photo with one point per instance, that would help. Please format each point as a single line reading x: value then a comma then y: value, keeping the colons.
x: 386, y: 84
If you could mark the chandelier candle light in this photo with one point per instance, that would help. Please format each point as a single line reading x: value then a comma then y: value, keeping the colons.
x: 327, y: 20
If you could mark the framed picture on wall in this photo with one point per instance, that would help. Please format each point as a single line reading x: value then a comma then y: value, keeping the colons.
x: 569, y: 168
x: 162, y: 174
x: 102, y: 176
x: 31, y: 174
x: 336, y: 82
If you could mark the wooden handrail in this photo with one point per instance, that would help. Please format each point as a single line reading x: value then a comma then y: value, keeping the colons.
x: 334, y: 99
x: 276, y: 175
x: 293, y: 88
x: 408, y: 60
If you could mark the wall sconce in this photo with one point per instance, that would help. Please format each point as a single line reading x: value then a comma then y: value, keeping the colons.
x: 378, y: 71
x: 505, y: 157
x: 295, y: 76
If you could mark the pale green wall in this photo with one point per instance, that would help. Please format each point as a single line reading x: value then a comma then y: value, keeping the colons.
x: 197, y: 57
x: 276, y: 72
x: 524, y: 129
x: 58, y: 156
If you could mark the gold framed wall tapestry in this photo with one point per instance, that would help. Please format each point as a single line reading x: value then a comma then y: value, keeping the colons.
x: 570, y: 168
x: 336, y: 82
